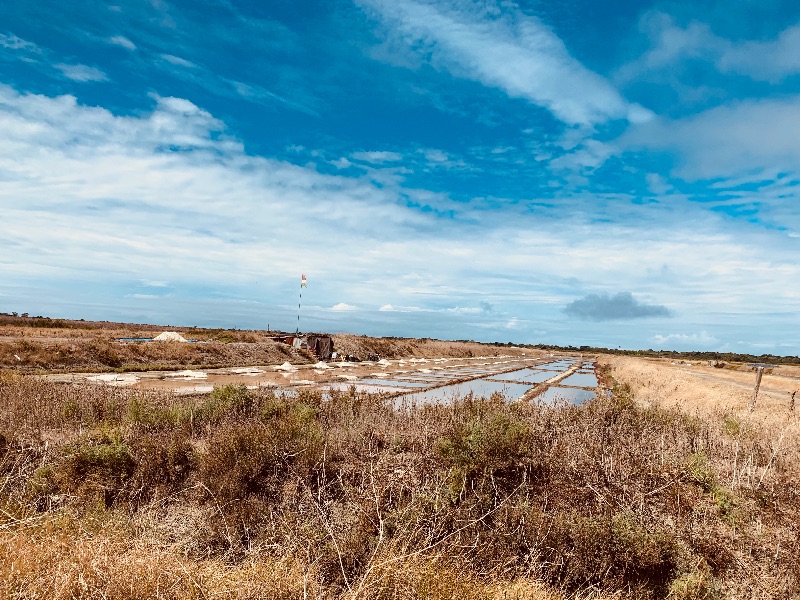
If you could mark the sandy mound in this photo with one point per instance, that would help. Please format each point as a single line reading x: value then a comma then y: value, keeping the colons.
x: 170, y: 336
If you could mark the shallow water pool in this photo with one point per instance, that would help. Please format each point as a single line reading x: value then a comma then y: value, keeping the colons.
x: 581, y: 380
x: 573, y: 395
x: 477, y: 387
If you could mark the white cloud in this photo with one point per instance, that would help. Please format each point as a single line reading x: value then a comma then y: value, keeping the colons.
x: 693, y: 340
x: 741, y: 138
x: 13, y: 42
x: 765, y: 61
x: 377, y: 157
x: 121, y: 40
x: 502, y: 47
x: 464, y: 310
x: 178, y: 61
x: 81, y: 73
x: 771, y: 60
x: 342, y: 307
x: 657, y: 184
x: 16, y: 48
x: 170, y: 196
x: 401, y: 309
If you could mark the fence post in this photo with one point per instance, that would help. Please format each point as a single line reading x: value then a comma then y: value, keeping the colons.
x: 759, y: 373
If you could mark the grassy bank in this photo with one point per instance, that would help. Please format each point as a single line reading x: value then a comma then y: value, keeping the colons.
x: 39, y: 344
x: 119, y: 494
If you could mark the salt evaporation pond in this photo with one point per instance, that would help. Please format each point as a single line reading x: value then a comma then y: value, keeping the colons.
x: 528, y: 375
x: 394, y: 382
x: 580, y: 380
x: 573, y: 395
x: 477, y: 387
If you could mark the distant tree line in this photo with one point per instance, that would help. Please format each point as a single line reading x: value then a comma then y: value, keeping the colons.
x: 673, y: 354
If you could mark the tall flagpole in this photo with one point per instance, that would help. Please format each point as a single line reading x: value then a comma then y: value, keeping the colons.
x: 300, y: 301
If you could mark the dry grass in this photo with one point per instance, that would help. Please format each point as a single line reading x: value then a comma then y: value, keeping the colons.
x: 704, y: 389
x: 110, y: 492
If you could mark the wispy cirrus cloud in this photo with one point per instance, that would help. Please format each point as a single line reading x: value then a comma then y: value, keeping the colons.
x: 15, y: 48
x: 28, y: 52
x: 502, y: 47
x: 13, y: 42
x: 81, y: 73
x: 122, y: 41
x: 178, y: 61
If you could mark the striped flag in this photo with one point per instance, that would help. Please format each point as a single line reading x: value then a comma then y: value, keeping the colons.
x: 303, y: 282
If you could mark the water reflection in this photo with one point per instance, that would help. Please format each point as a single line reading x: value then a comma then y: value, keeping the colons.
x: 581, y: 380
x: 477, y: 387
x: 573, y: 395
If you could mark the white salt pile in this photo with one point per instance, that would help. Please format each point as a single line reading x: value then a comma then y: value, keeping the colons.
x: 188, y: 375
x: 322, y: 365
x: 286, y: 367
x: 383, y: 362
x: 247, y: 371
x: 114, y: 379
x: 170, y: 336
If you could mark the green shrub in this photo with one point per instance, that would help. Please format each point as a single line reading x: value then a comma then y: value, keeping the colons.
x: 252, y: 456
x: 613, y: 551
x: 696, y: 585
x: 163, y: 462
x: 227, y: 402
x: 490, y: 441
x: 151, y: 416
x: 98, y: 467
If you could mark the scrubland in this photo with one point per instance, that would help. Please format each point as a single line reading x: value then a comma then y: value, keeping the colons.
x: 655, y: 491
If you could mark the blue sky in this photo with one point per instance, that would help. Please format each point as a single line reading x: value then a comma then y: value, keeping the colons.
x: 617, y: 174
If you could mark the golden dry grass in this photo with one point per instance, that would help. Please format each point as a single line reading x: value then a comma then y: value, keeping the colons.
x: 700, y: 389
x: 61, y: 558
